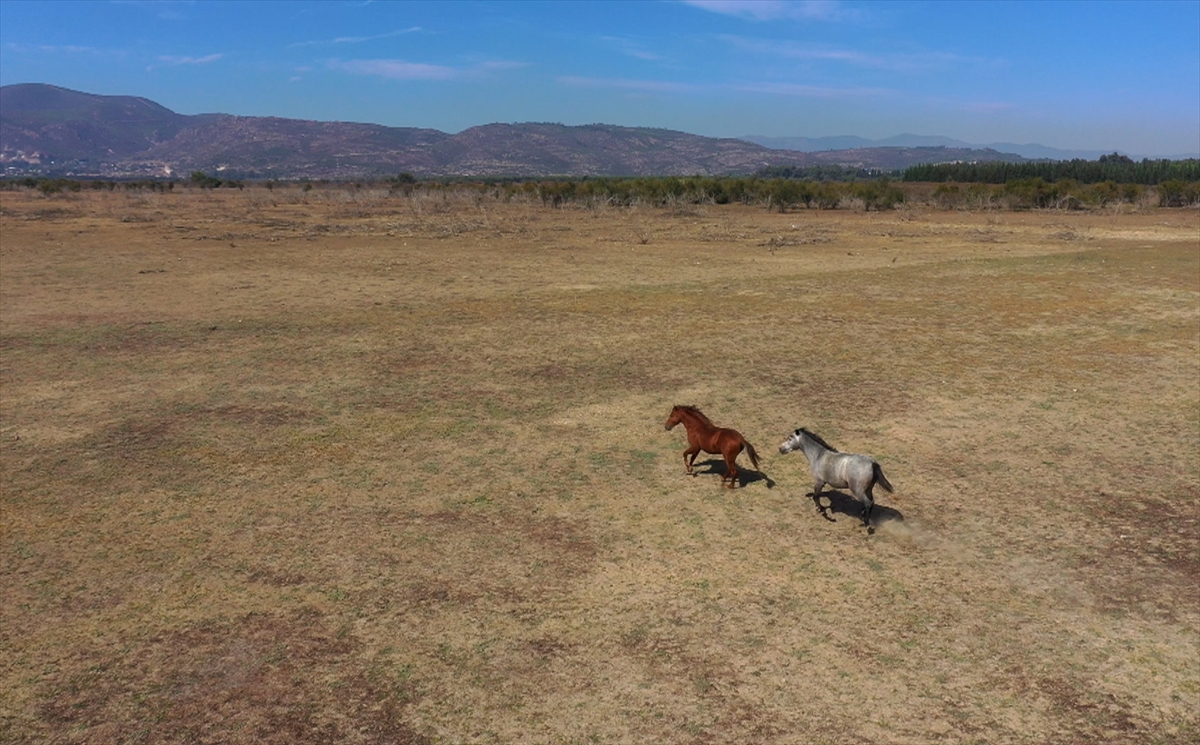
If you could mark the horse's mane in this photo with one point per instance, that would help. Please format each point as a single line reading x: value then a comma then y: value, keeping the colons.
x: 820, y: 441
x: 697, y: 413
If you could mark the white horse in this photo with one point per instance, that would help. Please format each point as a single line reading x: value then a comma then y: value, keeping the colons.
x: 858, y: 473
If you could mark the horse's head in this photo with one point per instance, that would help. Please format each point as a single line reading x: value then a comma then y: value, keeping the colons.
x: 675, y: 418
x: 802, y: 437
x: 795, y: 441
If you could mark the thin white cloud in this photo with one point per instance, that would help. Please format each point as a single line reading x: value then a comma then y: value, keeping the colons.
x: 173, y: 60
x: 903, y: 62
x: 497, y: 65
x: 56, y: 49
x: 394, y: 69
x: 357, y: 39
x: 767, y: 88
x: 631, y: 48
x: 631, y: 84
x: 299, y: 73
x: 986, y: 107
x: 778, y: 10
x: 799, y: 90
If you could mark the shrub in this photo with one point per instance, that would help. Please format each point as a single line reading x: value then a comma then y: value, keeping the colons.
x: 878, y: 195
x: 1178, y: 193
x: 204, y: 181
x: 1030, y: 193
x: 948, y: 196
x: 56, y: 186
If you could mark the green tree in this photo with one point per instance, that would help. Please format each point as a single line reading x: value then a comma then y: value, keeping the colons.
x: 204, y: 181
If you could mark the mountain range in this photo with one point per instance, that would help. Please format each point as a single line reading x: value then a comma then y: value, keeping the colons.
x: 846, y: 142
x: 1031, y: 151
x: 49, y: 130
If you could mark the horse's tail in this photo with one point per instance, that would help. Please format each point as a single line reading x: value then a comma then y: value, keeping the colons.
x: 750, y: 451
x: 881, y: 479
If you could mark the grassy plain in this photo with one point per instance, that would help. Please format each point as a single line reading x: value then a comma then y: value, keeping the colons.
x: 348, y: 467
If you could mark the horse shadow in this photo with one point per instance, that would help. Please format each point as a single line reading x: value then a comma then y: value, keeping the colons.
x: 846, y: 504
x: 746, y: 476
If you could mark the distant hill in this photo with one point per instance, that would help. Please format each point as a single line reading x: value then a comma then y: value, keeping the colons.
x: 49, y: 130
x: 38, y: 119
x: 894, y: 158
x: 1030, y: 151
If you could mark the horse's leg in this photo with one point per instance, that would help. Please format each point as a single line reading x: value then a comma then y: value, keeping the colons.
x: 730, y: 453
x: 731, y: 471
x: 818, y: 485
x: 868, y: 501
x: 687, y: 463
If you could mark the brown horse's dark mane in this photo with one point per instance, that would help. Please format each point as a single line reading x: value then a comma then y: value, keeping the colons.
x: 696, y: 413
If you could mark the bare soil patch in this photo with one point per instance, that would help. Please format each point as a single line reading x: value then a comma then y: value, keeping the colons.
x: 347, y: 466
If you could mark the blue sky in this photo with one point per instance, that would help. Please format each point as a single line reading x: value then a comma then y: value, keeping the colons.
x: 1078, y: 75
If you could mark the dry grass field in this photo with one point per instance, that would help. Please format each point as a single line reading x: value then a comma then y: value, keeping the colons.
x: 343, y: 467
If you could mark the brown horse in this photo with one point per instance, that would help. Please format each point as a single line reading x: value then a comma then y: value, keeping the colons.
x: 704, y: 435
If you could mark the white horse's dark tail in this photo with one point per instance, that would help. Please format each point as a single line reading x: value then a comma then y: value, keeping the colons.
x: 881, y: 479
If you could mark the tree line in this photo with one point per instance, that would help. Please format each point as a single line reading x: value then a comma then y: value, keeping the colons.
x: 782, y: 190
x: 826, y: 172
x: 1116, y: 168
x: 782, y: 194
x: 59, y: 185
